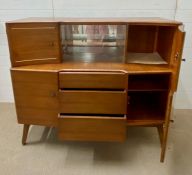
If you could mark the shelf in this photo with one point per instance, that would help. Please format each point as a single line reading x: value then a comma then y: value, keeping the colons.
x: 145, y: 58
x: 146, y: 117
x: 111, y: 54
x: 79, y: 66
x: 93, y: 54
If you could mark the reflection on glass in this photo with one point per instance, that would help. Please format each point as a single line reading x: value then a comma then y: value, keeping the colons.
x: 93, y: 43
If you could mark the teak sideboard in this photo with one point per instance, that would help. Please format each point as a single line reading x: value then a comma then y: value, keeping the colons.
x: 93, y: 78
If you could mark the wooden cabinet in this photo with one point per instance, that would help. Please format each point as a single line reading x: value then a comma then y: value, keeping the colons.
x: 93, y: 78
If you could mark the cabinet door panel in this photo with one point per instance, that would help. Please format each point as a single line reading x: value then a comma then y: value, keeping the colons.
x: 34, y: 43
x: 35, y: 97
x: 178, y: 50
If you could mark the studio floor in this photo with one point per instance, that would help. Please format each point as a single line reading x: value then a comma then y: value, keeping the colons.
x: 139, y: 155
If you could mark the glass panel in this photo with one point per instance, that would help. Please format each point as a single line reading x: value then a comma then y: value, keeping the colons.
x: 93, y: 43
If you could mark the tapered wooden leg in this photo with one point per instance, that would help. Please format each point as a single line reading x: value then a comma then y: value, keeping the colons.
x: 164, y: 144
x: 160, y: 131
x: 25, y: 133
x: 166, y: 127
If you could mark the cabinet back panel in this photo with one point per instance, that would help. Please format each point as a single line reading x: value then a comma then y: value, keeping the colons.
x: 147, y: 105
x: 141, y: 38
x: 149, y: 82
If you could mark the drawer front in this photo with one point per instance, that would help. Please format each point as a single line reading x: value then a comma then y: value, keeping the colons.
x: 92, y: 102
x: 93, y: 80
x: 92, y: 128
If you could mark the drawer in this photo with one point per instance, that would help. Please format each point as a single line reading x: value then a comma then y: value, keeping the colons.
x: 92, y: 128
x: 92, y: 102
x: 93, y: 80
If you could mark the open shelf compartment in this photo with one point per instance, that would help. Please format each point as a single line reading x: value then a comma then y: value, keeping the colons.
x: 141, y: 44
x: 93, y: 43
x: 148, y: 44
x: 149, y: 82
x: 146, y: 108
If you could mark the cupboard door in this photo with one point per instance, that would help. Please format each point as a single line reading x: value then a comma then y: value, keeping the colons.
x: 34, y: 43
x: 178, y: 50
x: 36, y: 97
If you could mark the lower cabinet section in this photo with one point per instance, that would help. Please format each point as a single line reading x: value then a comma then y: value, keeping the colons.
x: 92, y: 128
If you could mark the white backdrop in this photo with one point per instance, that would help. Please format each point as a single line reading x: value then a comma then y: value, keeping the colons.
x: 171, y: 9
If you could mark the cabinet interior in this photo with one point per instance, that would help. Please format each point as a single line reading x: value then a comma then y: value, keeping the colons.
x: 147, y: 98
x: 147, y: 106
x: 149, y: 82
x: 143, y: 44
x: 93, y: 43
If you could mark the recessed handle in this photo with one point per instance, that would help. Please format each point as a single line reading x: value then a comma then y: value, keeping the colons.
x: 53, y: 94
x: 52, y: 44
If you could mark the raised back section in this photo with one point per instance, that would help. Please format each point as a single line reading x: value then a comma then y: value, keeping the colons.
x: 105, y: 40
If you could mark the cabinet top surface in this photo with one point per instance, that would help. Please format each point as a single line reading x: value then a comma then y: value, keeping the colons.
x: 140, y: 20
x: 127, y: 68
